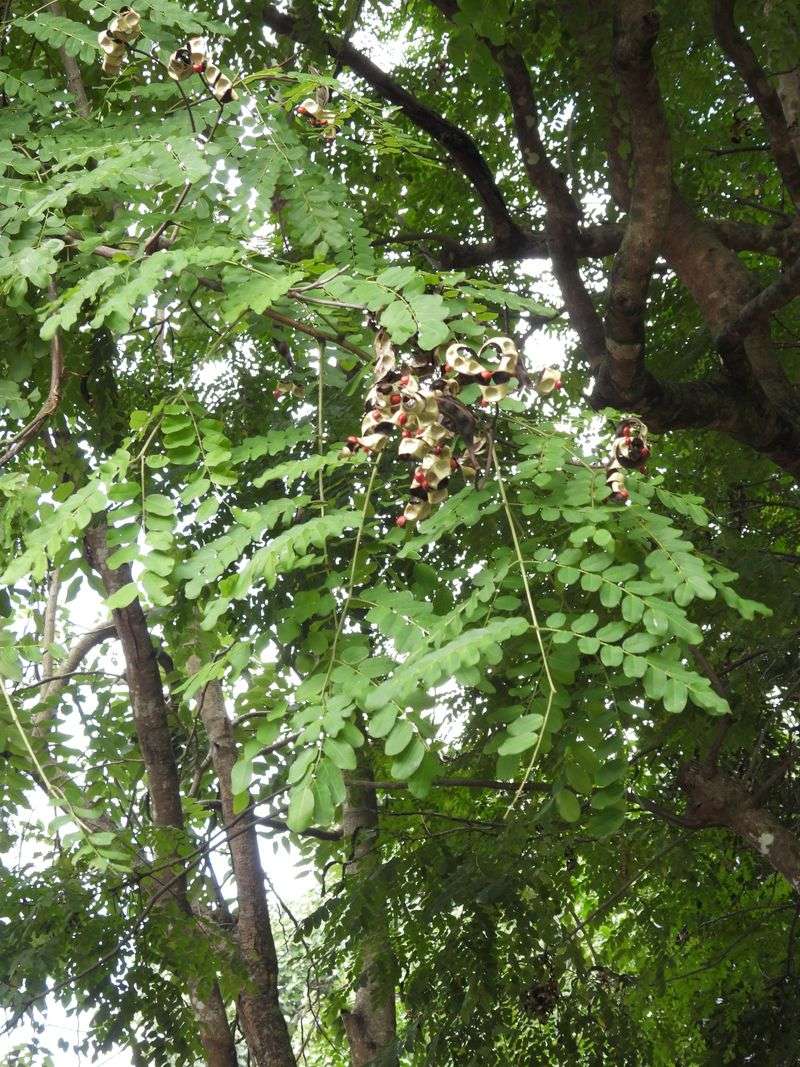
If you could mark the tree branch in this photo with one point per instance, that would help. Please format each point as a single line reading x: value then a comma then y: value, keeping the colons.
x: 460, y: 147
x: 73, y: 72
x: 51, y: 403
x: 262, y: 1020
x: 635, y: 33
x: 150, y: 717
x: 737, y: 49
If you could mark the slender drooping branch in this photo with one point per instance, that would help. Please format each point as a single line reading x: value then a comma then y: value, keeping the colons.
x: 51, y: 403
x: 459, y: 145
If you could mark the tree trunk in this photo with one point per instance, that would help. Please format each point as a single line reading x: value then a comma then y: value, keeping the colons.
x: 155, y: 744
x: 371, y: 1026
x: 262, y: 1020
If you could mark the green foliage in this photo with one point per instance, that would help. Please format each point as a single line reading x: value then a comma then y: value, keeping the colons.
x: 562, y: 653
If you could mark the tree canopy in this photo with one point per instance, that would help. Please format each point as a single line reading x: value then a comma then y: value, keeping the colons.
x: 300, y: 542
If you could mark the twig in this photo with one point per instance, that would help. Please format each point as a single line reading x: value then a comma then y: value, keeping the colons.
x: 34, y: 427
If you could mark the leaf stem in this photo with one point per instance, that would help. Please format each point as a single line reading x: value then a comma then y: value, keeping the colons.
x: 536, y: 627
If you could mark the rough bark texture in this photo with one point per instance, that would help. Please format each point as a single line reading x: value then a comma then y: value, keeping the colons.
x: 260, y: 1014
x: 718, y: 800
x: 155, y: 744
x: 371, y: 1025
x: 73, y: 72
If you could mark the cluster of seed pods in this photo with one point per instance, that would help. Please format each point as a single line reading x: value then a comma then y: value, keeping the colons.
x: 123, y: 30
x: 629, y: 451
x: 418, y: 397
x: 192, y: 58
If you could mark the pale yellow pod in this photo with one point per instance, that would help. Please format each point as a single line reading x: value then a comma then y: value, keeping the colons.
x: 417, y: 510
x: 437, y: 468
x: 126, y: 25
x: 492, y: 394
x: 434, y: 433
x: 437, y: 496
x: 413, y: 448
x: 547, y: 380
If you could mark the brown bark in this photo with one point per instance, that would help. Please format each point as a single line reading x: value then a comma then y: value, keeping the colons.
x: 155, y: 744
x: 73, y: 72
x: 736, y: 47
x: 635, y: 33
x: 371, y: 1025
x: 459, y: 145
x: 262, y: 1020
x: 717, y: 800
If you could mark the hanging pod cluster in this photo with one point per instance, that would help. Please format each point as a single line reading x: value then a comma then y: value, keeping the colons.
x: 419, y: 397
x: 629, y: 451
x: 191, y: 59
x: 122, y: 31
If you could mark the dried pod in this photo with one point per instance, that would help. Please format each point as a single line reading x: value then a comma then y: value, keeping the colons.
x: 629, y: 451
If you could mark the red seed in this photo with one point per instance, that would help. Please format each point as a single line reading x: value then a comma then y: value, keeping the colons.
x: 351, y: 440
x: 447, y: 368
x: 559, y: 384
x: 419, y: 476
x: 198, y: 68
x: 277, y: 392
x: 401, y: 520
x: 395, y: 398
x: 408, y: 433
x: 624, y: 494
x: 486, y: 375
x: 402, y: 419
x: 405, y: 380
x: 453, y: 464
x: 484, y: 401
x: 438, y: 450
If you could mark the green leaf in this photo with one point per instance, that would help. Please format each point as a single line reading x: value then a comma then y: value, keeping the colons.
x: 241, y: 775
x: 301, y: 806
x: 382, y: 722
x: 340, y: 754
x: 516, y: 744
x: 122, y: 597
x: 408, y: 761
x: 400, y: 736
x: 568, y: 805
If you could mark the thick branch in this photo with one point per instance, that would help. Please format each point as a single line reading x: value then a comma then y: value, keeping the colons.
x: 717, y: 800
x: 371, y: 1025
x: 73, y: 72
x: 636, y: 30
x: 736, y: 47
x: 460, y: 147
x: 769, y: 300
x: 561, y: 212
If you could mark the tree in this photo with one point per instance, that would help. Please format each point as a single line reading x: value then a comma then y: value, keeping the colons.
x: 540, y: 746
